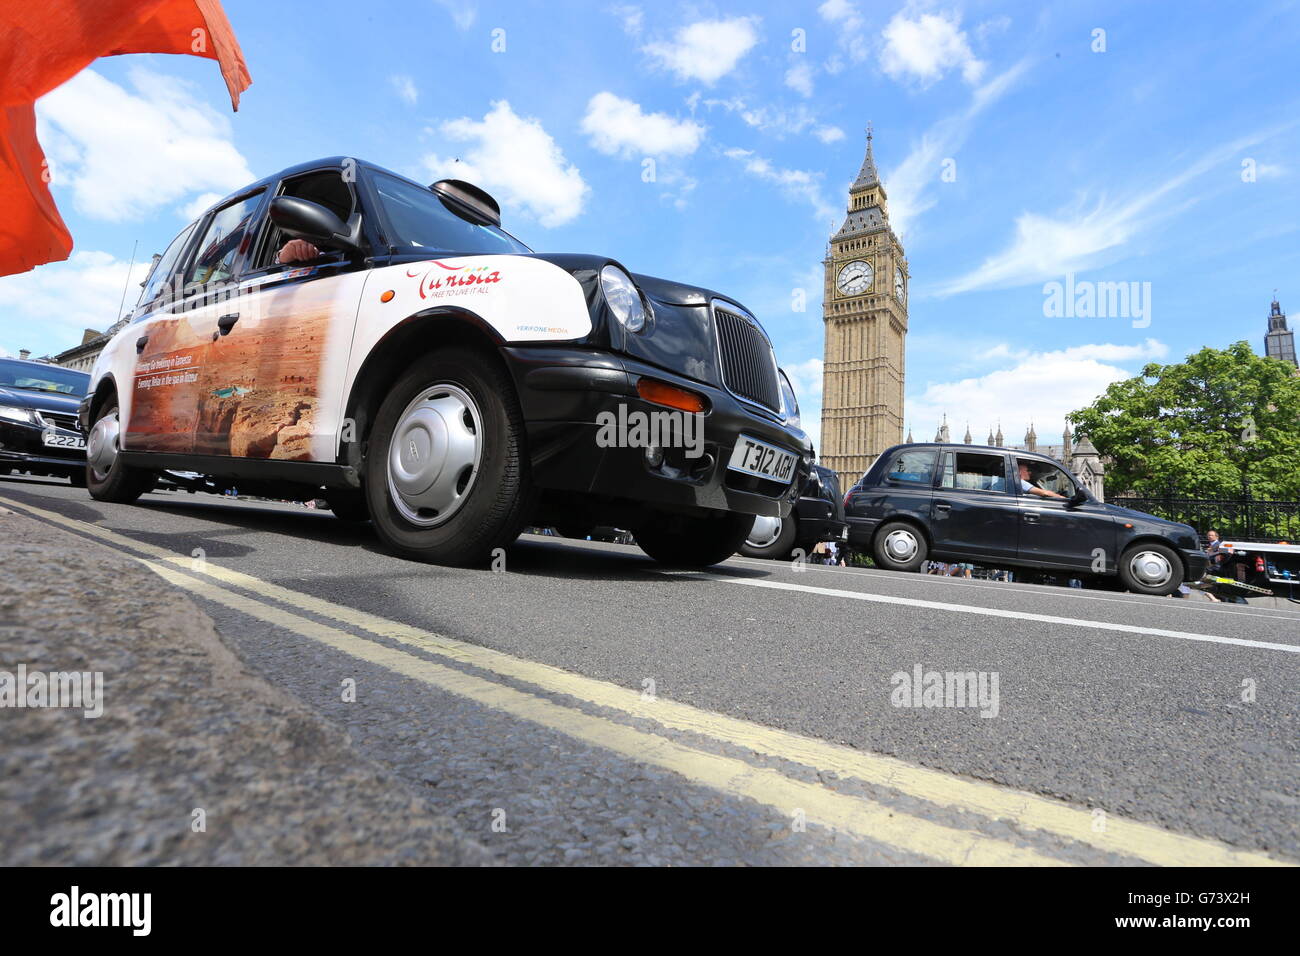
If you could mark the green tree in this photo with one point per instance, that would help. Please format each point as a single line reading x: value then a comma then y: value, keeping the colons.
x: 1203, y: 428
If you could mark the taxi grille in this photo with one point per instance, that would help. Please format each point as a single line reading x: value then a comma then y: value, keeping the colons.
x: 748, y: 369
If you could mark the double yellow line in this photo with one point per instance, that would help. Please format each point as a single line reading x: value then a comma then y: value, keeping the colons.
x: 1032, y: 816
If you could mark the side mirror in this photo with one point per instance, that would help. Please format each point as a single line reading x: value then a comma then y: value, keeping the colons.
x: 1078, y: 498
x: 308, y: 220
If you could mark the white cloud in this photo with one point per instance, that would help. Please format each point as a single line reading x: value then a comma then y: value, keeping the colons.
x: 795, y: 183
x: 617, y: 127
x: 462, y: 13
x: 514, y: 158
x: 708, y: 50
x: 912, y: 184
x: 199, y: 205
x: 405, y: 87
x: 800, y: 78
x: 1085, y: 234
x: 631, y: 17
x: 850, y: 31
x: 925, y: 48
x: 777, y: 121
x: 123, y: 154
x: 47, y: 309
x: 1036, y: 387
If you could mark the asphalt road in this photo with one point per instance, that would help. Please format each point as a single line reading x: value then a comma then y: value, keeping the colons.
x: 578, y: 704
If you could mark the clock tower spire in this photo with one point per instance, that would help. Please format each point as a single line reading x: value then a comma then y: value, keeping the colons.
x: 865, y: 316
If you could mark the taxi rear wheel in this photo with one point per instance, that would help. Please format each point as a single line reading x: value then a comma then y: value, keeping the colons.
x: 446, y: 480
x: 899, y: 546
x: 1149, y: 568
x: 682, y: 542
x: 107, y: 477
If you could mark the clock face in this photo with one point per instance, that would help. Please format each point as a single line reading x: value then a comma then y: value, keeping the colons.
x: 899, y: 287
x: 855, y: 278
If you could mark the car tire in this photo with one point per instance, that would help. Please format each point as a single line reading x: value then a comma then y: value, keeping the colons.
x: 681, y: 542
x: 114, y: 481
x: 1150, y: 568
x: 762, y: 542
x: 899, y: 546
x: 446, y: 477
x: 348, y: 504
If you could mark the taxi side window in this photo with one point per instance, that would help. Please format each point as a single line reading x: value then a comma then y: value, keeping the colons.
x: 226, y: 239
x: 325, y: 188
x: 913, y: 467
x: 973, y: 471
x: 159, y: 281
x: 1049, y: 477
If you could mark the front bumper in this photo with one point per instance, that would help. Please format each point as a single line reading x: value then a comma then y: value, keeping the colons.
x: 562, y: 391
x: 22, y: 449
x: 817, y: 521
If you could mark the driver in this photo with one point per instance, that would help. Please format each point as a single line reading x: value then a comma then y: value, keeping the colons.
x: 1027, y: 485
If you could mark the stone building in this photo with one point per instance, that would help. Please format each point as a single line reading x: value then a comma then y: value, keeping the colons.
x: 865, y: 317
x: 1279, y: 341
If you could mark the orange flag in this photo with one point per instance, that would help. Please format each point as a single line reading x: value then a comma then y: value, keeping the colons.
x: 45, y: 44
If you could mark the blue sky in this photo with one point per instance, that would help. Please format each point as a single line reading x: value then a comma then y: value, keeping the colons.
x: 1017, y: 143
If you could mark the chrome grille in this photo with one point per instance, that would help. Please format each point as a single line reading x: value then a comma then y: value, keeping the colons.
x: 66, y: 420
x: 748, y: 368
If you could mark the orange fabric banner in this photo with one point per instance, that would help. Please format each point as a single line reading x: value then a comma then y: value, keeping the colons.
x: 43, y: 45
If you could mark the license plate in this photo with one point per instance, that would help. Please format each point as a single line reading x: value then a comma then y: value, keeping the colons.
x: 755, y: 457
x: 59, y: 440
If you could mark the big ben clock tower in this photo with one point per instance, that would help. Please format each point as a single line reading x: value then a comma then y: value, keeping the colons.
x: 865, y: 313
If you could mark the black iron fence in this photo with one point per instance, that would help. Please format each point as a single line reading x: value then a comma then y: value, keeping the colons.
x: 1242, y: 518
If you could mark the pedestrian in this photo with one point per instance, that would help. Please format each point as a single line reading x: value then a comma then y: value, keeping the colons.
x: 1214, y: 550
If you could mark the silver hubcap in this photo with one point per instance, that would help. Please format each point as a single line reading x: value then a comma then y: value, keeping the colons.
x: 901, y: 545
x: 102, y: 445
x: 434, y: 455
x: 765, y: 532
x: 1151, y: 568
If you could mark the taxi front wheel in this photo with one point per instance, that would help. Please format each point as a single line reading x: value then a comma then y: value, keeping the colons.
x: 107, y: 477
x: 446, y: 480
x: 1150, y: 568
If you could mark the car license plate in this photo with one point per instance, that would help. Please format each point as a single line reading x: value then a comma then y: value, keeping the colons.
x: 62, y: 440
x: 754, y: 457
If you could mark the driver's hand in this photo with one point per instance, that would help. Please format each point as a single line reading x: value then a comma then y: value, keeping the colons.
x: 297, y: 250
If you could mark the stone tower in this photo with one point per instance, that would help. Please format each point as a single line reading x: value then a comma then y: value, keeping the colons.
x: 1279, y: 342
x: 865, y: 316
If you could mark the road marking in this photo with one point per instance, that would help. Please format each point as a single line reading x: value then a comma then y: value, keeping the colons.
x: 998, y: 612
x: 1039, y: 590
x: 821, y: 806
x: 1030, y: 811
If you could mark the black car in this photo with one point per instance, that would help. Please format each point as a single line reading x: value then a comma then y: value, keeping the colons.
x: 1010, y: 509
x: 818, y: 515
x: 39, y: 434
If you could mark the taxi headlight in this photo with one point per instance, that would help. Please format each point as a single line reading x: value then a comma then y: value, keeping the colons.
x: 623, y: 298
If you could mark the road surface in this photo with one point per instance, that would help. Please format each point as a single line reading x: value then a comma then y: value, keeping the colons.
x: 578, y: 704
